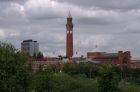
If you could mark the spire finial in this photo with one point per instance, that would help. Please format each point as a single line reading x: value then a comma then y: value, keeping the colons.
x: 96, y: 46
x: 69, y: 14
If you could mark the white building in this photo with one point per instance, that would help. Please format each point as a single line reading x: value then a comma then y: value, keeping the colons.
x: 30, y: 47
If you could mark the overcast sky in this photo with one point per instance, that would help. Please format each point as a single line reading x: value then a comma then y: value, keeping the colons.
x: 113, y: 25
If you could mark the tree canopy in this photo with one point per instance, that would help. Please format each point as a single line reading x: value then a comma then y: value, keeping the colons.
x: 15, y: 76
x: 15, y: 69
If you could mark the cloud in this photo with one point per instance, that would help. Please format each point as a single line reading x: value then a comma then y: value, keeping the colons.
x: 41, y: 9
x: 111, y: 24
x: 8, y: 33
x: 107, y: 4
x: 2, y: 34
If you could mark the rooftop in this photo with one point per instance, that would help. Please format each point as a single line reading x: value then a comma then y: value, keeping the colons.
x: 29, y: 40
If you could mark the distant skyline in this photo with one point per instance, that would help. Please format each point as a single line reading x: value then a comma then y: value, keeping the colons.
x: 110, y: 25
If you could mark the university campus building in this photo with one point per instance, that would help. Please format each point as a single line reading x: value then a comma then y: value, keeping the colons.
x: 30, y: 47
x: 120, y: 59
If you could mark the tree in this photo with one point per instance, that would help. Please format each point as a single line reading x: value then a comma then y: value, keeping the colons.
x: 88, y: 70
x: 70, y: 68
x: 40, y: 55
x: 42, y: 82
x: 60, y: 57
x: 15, y: 70
x: 108, y: 80
x: 34, y: 55
x: 135, y: 76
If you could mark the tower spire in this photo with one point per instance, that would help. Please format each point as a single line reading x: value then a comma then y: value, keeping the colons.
x: 69, y: 14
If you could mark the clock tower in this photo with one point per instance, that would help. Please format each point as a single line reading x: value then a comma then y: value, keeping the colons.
x: 69, y: 38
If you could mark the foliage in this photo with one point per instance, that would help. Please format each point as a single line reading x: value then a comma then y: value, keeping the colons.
x: 108, y: 80
x: 42, y: 82
x: 131, y: 75
x: 88, y: 70
x: 40, y: 55
x: 128, y: 87
x: 14, y: 70
x: 48, y: 81
x: 64, y: 82
x: 135, y: 76
x: 15, y: 76
x: 73, y: 79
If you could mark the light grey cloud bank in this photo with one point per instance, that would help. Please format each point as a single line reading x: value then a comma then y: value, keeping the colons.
x: 111, y: 24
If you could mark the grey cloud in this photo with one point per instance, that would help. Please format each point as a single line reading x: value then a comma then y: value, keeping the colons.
x: 107, y: 4
x: 108, y: 27
x: 94, y: 21
x: 8, y: 0
x: 17, y: 1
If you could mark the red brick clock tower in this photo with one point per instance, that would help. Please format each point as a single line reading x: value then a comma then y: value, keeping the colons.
x: 69, y: 39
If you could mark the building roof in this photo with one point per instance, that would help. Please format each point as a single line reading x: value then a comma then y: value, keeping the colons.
x: 103, y: 55
x: 29, y: 40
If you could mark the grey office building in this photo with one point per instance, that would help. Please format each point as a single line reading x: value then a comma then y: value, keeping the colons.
x: 30, y: 47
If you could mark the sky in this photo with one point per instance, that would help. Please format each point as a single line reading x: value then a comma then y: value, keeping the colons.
x: 112, y: 25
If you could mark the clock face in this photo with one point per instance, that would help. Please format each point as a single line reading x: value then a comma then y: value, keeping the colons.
x: 67, y: 32
x: 71, y: 32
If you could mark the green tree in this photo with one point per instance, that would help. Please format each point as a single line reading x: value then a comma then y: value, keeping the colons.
x: 43, y: 81
x: 70, y: 68
x: 15, y: 70
x: 108, y: 80
x: 135, y: 76
x: 34, y: 55
x: 63, y: 82
x: 40, y: 55
x: 128, y: 87
x: 60, y: 57
x: 88, y: 70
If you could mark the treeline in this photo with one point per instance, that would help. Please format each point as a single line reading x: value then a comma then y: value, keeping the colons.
x: 93, y: 71
x: 16, y: 76
x: 82, y: 77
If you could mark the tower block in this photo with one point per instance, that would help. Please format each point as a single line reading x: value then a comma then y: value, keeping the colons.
x: 69, y: 39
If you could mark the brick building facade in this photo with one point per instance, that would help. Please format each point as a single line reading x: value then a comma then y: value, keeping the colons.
x: 69, y: 39
x: 122, y: 59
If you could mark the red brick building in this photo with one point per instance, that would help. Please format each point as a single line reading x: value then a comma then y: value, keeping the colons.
x: 118, y: 59
x: 135, y: 63
x: 40, y: 64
